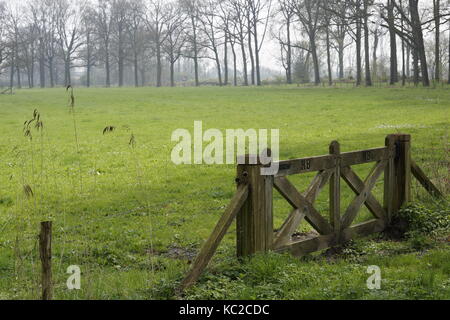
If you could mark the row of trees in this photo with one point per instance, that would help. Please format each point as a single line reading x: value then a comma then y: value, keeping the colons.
x: 128, y: 41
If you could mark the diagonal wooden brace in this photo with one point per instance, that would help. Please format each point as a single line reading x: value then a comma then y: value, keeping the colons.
x: 369, y: 184
x: 293, y: 196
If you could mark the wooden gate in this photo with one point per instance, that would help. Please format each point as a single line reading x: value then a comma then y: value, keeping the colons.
x: 252, y: 204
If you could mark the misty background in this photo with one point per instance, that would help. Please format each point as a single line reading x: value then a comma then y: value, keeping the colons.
x: 48, y: 43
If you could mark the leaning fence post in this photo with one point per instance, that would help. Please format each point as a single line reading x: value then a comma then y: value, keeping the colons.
x: 398, y: 174
x: 254, y: 224
x: 45, y: 251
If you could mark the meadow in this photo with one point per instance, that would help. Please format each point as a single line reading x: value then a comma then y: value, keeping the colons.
x: 132, y: 220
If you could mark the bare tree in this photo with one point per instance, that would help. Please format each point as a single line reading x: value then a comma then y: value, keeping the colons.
x: 104, y: 24
x: 259, y: 14
x: 192, y: 10
x: 176, y: 38
x: 340, y: 28
x: 88, y: 53
x: 27, y: 48
x: 120, y: 15
x: 230, y: 33
x: 393, y: 42
x: 437, y: 21
x: 366, y: 6
x: 3, y: 43
x: 286, y: 10
x: 309, y: 13
x: 69, y: 36
x: 240, y: 31
x: 137, y: 36
x: 13, y: 22
x: 214, y: 34
x: 157, y: 16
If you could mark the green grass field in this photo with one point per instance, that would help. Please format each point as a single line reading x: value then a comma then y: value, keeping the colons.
x: 132, y: 220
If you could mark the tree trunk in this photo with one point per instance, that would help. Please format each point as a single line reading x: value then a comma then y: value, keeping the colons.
x: 172, y: 72
x: 12, y: 70
x: 255, y: 38
x: 225, y: 60
x: 88, y: 59
x: 289, y: 52
x: 244, y: 61
x: 250, y: 52
x: 158, y: 63
x: 120, y: 62
x: 341, y: 59
x: 234, y: 65
x: 366, y: 44
x: 41, y: 64
x: 418, y: 39
x: 408, y: 61
x: 415, y: 67
x: 449, y: 56
x: 403, y: 64
x: 393, y: 44
x: 33, y: 56
x: 51, y: 72
x: 219, y: 69
x: 437, y: 56
x: 136, y: 69
x: 19, y: 81
x: 67, y: 80
x: 107, y: 67
x: 376, y: 40
x: 358, y: 53
x: 330, y: 74
x: 194, y: 30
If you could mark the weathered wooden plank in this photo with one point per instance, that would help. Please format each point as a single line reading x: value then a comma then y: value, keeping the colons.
x: 424, y: 180
x: 295, y: 218
x: 369, y: 183
x: 357, y: 185
x: 316, y: 186
x: 389, y: 179
x: 290, y: 193
x: 210, y: 246
x: 364, y: 156
x: 254, y: 225
x: 402, y: 172
x: 305, y: 165
x: 45, y: 252
x: 304, y: 247
x: 364, y: 229
x: 288, y: 228
x: 335, y: 190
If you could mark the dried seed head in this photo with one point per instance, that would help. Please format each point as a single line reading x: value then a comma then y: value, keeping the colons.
x: 108, y: 129
x: 28, y: 191
x: 132, y: 141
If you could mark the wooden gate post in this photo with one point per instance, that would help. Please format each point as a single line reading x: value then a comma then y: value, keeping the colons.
x: 335, y: 191
x: 397, y: 190
x: 254, y: 224
x: 45, y: 251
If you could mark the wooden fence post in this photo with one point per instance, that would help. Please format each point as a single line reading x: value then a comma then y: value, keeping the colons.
x: 254, y: 224
x: 45, y: 251
x: 335, y: 191
x: 397, y: 190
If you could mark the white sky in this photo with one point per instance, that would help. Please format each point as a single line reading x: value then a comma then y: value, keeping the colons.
x: 270, y: 50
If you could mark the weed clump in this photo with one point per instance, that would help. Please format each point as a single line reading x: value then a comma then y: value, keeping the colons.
x: 422, y: 224
x: 425, y: 219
